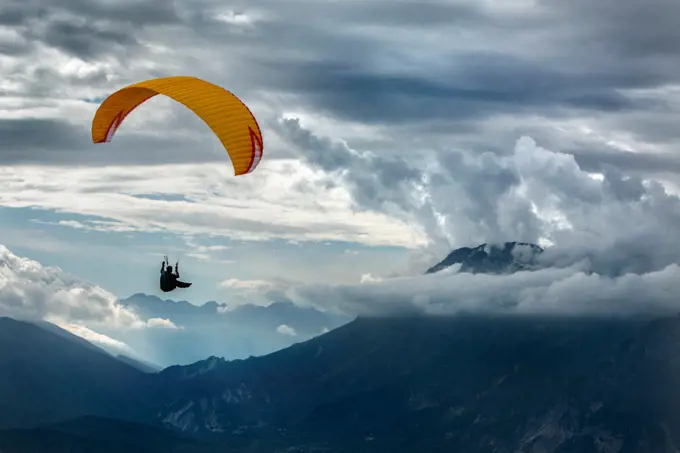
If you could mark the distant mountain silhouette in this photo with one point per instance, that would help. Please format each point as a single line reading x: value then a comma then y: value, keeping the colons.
x: 246, y: 330
x: 473, y: 384
x: 153, y: 306
x: 307, y: 321
x: 491, y: 258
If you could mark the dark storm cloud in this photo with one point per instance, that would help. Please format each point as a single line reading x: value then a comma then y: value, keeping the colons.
x: 85, y: 29
x: 626, y: 28
x: 16, y: 13
x: 594, y: 159
x: 20, y: 136
x: 382, y: 13
x: 476, y: 192
x: 137, y: 12
x: 375, y: 181
x: 54, y: 142
x: 15, y: 49
x: 42, y: 84
x: 374, y: 62
x: 84, y: 40
x: 482, y: 86
x: 559, y: 60
x: 414, y: 14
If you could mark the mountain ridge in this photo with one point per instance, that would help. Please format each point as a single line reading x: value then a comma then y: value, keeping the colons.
x: 465, y: 383
x: 246, y: 330
x: 72, y: 379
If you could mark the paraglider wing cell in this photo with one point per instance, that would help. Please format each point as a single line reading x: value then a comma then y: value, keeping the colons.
x: 226, y: 115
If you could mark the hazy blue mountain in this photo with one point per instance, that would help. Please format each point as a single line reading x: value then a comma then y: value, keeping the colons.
x: 247, y: 330
x: 155, y: 307
x: 307, y: 321
x: 251, y: 330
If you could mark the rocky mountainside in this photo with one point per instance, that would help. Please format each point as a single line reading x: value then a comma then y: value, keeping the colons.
x: 445, y: 384
x: 491, y: 258
x: 468, y: 384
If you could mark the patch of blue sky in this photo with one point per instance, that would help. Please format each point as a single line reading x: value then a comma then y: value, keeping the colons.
x: 94, y: 100
x: 129, y: 262
x: 164, y: 197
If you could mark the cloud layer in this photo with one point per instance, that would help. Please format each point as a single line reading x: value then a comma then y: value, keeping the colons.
x: 371, y: 95
x: 538, y: 121
x: 570, y: 291
x: 614, y: 245
x: 33, y: 292
x: 28, y: 290
x: 284, y: 202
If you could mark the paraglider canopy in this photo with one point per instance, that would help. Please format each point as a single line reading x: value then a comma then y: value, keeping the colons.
x: 226, y: 115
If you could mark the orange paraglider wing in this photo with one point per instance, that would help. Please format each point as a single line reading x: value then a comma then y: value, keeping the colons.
x: 226, y: 115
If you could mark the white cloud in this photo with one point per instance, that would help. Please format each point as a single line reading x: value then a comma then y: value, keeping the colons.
x: 30, y: 291
x: 616, y: 243
x: 240, y: 19
x: 368, y: 278
x: 248, y: 285
x: 255, y: 292
x: 273, y: 203
x: 106, y: 342
x: 565, y: 291
x: 206, y: 252
x: 200, y: 256
x: 286, y: 330
x: 214, y: 248
x: 163, y: 324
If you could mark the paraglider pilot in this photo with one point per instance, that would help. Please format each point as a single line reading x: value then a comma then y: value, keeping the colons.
x: 169, y: 280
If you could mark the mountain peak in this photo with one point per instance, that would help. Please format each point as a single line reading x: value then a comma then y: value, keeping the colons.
x: 490, y: 258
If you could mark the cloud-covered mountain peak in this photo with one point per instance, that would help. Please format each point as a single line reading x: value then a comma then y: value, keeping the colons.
x: 491, y: 258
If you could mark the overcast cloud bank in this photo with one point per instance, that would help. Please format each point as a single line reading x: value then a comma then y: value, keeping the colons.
x: 548, y: 122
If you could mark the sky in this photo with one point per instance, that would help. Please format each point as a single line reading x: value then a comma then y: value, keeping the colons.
x: 394, y: 131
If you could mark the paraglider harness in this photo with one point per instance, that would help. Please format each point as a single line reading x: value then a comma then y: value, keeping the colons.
x: 169, y: 280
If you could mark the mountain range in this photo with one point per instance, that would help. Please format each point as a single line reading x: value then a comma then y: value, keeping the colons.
x: 496, y: 384
x: 238, y: 332
x: 213, y: 328
x: 393, y: 384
